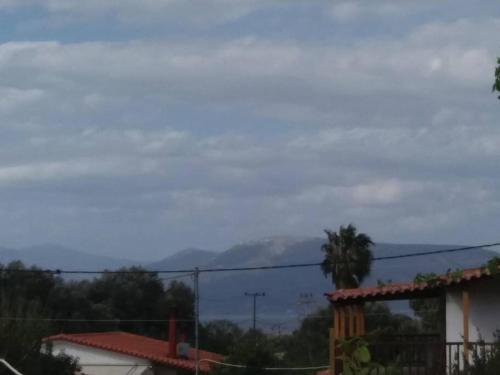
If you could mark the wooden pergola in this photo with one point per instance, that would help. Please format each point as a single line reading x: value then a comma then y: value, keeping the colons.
x: 348, y: 321
x: 349, y: 316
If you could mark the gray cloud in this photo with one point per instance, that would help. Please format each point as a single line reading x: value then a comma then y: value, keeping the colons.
x: 159, y: 144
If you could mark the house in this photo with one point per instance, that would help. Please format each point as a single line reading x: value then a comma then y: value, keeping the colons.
x: 470, y: 307
x: 121, y: 353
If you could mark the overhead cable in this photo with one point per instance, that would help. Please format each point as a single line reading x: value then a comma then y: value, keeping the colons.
x: 255, y: 268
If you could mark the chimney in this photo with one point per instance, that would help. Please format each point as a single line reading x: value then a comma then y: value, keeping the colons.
x: 172, y: 341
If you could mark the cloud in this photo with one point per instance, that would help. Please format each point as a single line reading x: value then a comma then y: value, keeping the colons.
x: 286, y: 80
x: 13, y: 98
x: 210, y: 140
x: 348, y: 11
x: 198, y: 13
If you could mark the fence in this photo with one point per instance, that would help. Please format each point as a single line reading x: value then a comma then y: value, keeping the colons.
x: 456, y: 358
x: 428, y: 354
x: 412, y: 354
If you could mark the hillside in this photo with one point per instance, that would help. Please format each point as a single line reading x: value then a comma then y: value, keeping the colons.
x: 60, y: 257
x: 222, y: 294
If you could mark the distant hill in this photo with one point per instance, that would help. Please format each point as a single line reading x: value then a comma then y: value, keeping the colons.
x: 60, y: 257
x: 222, y: 294
x: 185, y: 259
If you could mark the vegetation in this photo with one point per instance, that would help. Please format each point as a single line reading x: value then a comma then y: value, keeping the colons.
x: 112, y: 300
x: 483, y: 362
x: 356, y: 359
x: 308, y: 345
x: 255, y: 351
x: 380, y: 321
x: 34, y: 305
x: 348, y: 257
x: 21, y: 340
x: 493, y: 266
x: 220, y: 336
x: 431, y: 279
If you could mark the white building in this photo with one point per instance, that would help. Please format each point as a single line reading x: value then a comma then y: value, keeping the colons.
x: 120, y: 353
x: 470, y: 308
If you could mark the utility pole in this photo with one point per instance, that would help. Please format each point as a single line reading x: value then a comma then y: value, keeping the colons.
x: 196, y: 320
x: 255, y: 295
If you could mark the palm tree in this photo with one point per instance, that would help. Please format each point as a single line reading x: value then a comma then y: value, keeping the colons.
x: 348, y: 257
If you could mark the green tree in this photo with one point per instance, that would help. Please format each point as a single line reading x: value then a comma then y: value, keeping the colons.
x: 348, y: 257
x: 255, y: 351
x: 22, y: 330
x: 309, y: 344
x: 496, y: 84
x: 220, y: 336
x: 429, y: 310
x: 126, y: 301
x: 380, y: 320
x: 179, y: 300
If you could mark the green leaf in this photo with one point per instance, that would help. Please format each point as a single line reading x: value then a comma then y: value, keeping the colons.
x: 362, y: 354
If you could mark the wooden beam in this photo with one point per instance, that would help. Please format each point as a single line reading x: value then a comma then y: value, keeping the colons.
x: 333, y: 357
x: 466, y: 312
x: 358, y: 313
x: 342, y: 322
x: 336, y: 321
x: 361, y: 322
x: 350, y: 314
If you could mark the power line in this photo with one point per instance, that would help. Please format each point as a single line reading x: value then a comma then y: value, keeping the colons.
x: 191, y: 274
x: 82, y: 320
x: 266, y: 368
x: 230, y: 269
x: 433, y: 252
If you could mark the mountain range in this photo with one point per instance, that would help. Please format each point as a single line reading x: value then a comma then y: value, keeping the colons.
x: 290, y: 293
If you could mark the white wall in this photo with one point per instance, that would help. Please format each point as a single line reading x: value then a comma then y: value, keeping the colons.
x: 484, y: 317
x: 102, y: 362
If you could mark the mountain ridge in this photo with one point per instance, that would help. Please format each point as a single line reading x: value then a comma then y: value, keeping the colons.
x: 222, y: 294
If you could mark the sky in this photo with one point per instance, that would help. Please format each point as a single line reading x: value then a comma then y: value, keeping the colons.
x: 138, y: 128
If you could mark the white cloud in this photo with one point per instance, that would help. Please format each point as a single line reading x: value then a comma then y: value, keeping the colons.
x: 300, y: 82
x: 194, y: 12
x: 230, y: 138
x: 353, y: 10
x: 12, y: 99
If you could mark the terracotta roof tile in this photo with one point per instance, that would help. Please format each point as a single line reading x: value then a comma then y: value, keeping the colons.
x: 137, y: 346
x: 344, y: 295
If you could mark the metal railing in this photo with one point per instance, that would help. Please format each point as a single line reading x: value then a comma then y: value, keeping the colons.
x: 428, y: 355
x: 456, y: 359
x: 411, y: 354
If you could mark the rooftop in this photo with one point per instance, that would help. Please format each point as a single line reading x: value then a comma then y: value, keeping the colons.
x: 405, y: 290
x: 137, y: 346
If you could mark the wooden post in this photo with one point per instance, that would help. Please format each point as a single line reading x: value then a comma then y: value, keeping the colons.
x: 333, y: 357
x: 350, y: 314
x: 342, y: 322
x: 466, y: 311
x: 360, y: 321
x: 334, y: 334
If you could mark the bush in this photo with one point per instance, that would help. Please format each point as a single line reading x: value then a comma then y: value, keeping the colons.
x: 485, y: 361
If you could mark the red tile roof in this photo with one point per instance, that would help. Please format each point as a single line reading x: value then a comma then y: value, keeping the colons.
x: 394, y: 290
x: 137, y: 346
